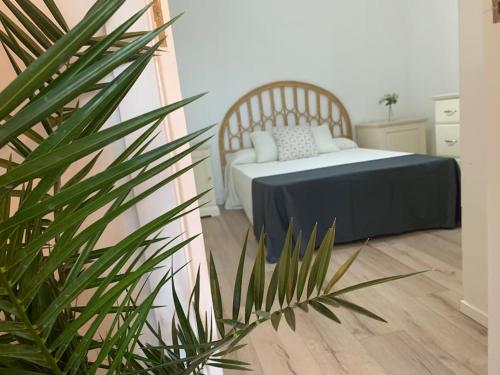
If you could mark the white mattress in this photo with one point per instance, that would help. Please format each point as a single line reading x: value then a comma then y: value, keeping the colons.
x: 239, y: 177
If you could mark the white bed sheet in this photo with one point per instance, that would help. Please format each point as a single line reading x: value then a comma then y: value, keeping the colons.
x: 239, y: 177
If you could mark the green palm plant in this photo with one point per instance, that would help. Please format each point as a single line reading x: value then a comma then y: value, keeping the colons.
x: 49, y: 253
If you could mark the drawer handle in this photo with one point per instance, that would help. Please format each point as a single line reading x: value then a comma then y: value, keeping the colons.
x: 451, y: 142
x: 450, y: 112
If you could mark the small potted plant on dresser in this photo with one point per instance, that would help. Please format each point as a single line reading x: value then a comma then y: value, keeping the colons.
x: 389, y: 100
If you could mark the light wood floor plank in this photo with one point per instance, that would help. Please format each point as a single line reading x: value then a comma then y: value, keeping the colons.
x: 448, y: 276
x: 426, y: 333
x: 399, y: 354
x: 447, y: 305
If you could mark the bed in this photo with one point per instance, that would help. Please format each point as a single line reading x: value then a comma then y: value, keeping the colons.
x: 370, y: 193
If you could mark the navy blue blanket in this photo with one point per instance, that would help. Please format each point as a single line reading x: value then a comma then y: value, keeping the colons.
x: 368, y: 199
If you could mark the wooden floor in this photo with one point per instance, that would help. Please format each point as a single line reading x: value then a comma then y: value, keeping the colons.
x: 426, y: 333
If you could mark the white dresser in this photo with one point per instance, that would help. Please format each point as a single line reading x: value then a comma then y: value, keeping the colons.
x: 398, y: 135
x: 204, y: 180
x: 447, y: 108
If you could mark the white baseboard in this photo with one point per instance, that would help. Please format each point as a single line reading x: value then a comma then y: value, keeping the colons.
x: 474, y: 313
x: 209, y: 211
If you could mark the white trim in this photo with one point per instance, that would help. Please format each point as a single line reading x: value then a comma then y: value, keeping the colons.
x: 446, y: 96
x: 175, y: 127
x: 209, y: 211
x: 474, y: 313
x: 185, y: 188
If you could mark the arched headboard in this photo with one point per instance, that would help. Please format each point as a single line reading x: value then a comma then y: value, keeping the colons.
x: 280, y: 103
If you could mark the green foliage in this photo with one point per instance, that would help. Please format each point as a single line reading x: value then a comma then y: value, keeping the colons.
x: 389, y: 99
x: 49, y: 254
x: 323, y: 297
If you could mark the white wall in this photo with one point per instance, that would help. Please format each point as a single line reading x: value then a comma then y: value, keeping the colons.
x: 359, y: 50
x: 433, y: 57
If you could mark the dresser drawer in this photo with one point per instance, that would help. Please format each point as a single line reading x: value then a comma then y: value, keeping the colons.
x: 448, y: 140
x: 402, y: 135
x: 448, y: 111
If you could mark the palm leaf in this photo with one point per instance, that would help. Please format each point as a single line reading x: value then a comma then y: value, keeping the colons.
x: 306, y: 262
x: 368, y: 284
x: 342, y: 270
x: 259, y: 273
x: 323, y: 310
x: 45, y: 66
x: 35, y: 32
x: 216, y: 295
x: 42, y: 21
x: 56, y: 13
x: 239, y: 280
x: 284, y: 264
x: 358, y: 309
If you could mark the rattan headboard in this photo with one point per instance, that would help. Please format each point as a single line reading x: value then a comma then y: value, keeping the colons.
x: 280, y: 103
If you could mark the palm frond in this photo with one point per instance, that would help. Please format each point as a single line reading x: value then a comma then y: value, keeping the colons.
x: 49, y: 251
x: 202, y: 351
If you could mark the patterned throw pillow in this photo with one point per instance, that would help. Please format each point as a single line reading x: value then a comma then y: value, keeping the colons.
x: 294, y: 142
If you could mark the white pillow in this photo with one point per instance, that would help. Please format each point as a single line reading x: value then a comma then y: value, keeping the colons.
x: 345, y: 143
x: 323, y: 139
x: 294, y: 142
x: 265, y: 146
x: 245, y: 156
